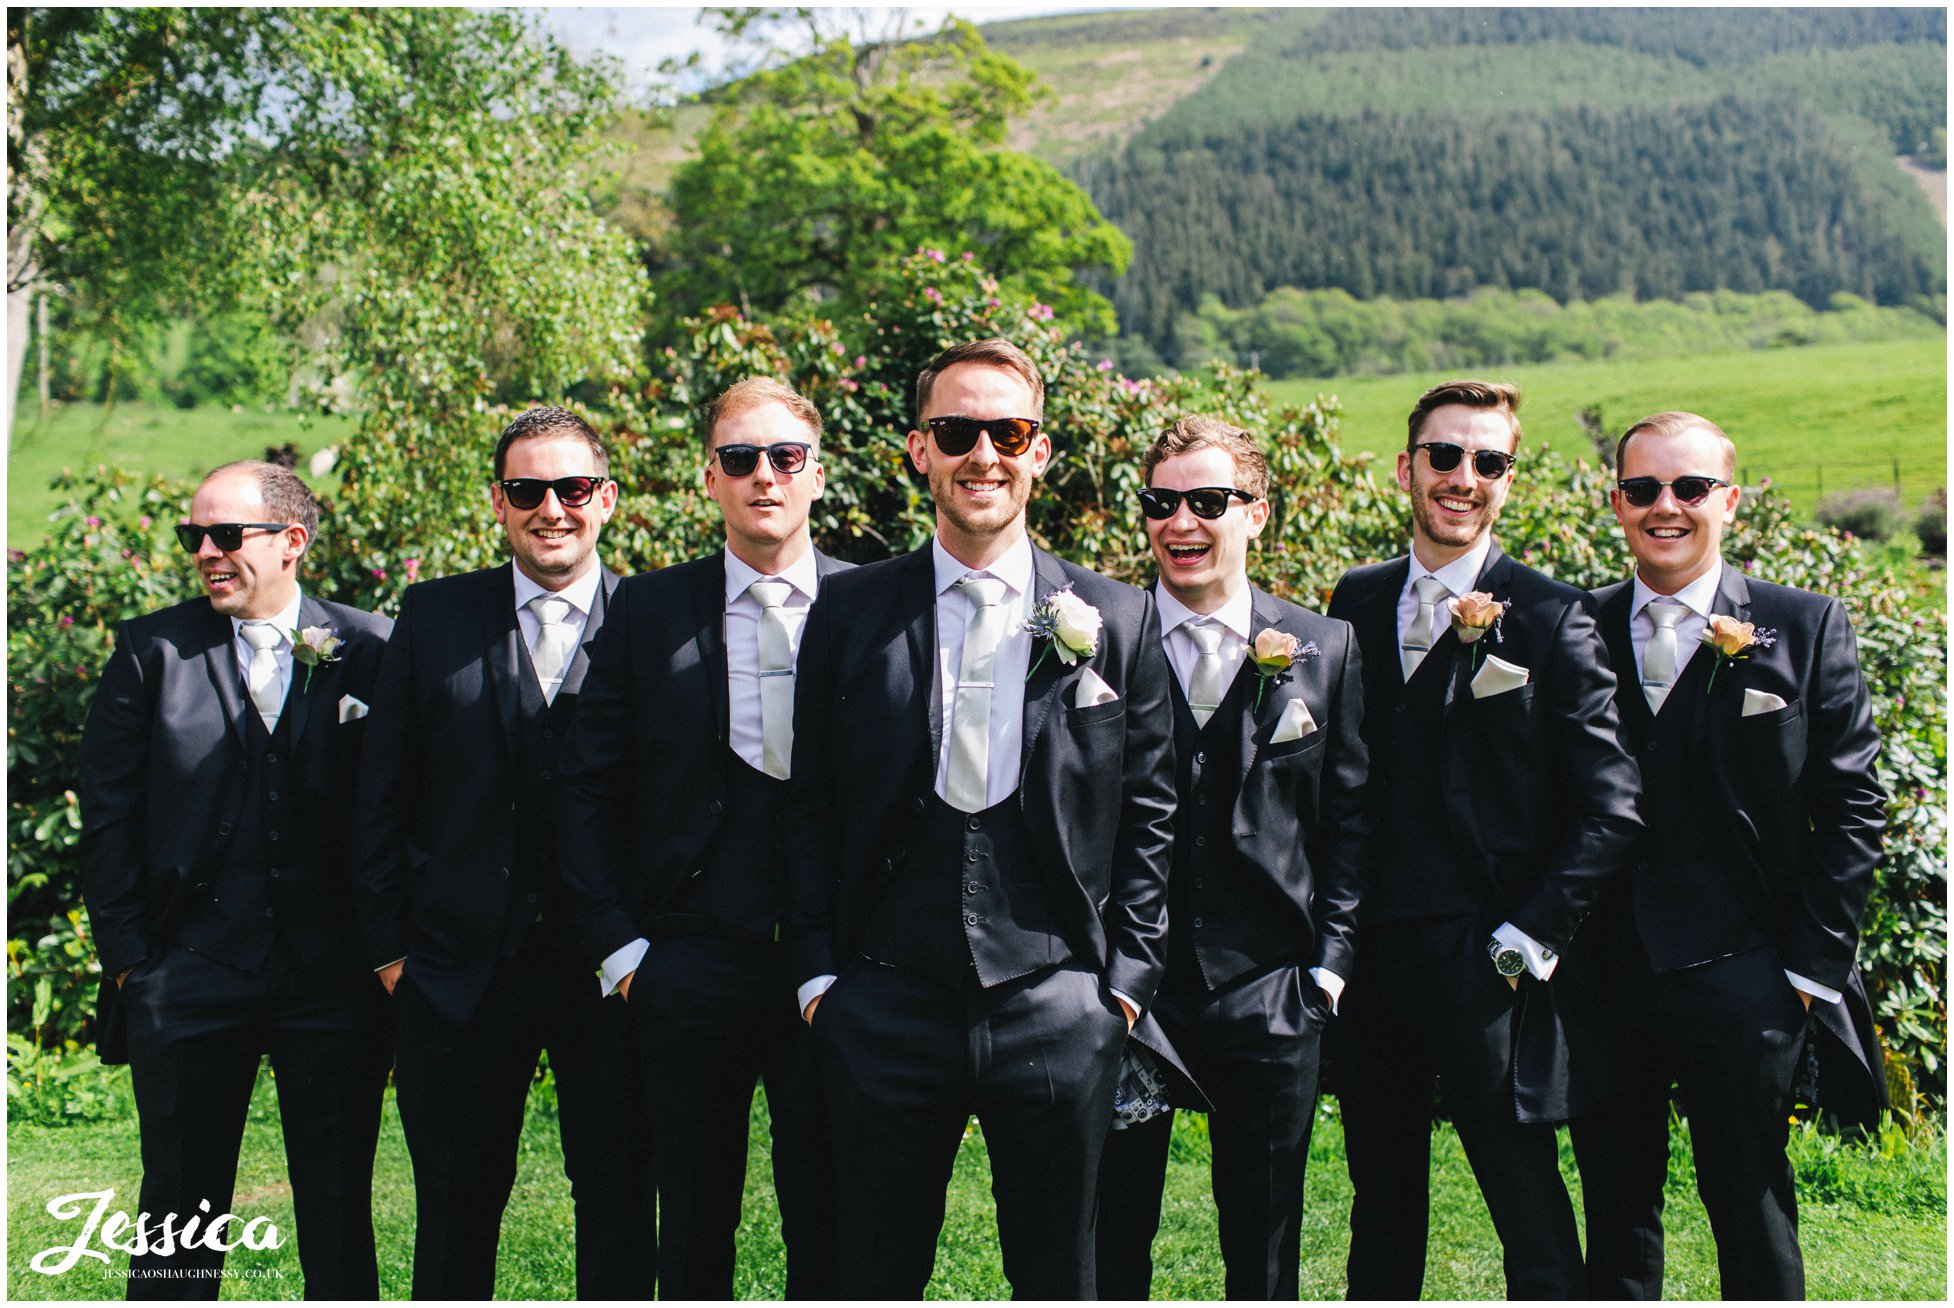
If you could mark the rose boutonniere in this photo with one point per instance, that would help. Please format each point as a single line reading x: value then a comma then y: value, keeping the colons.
x: 1274, y: 653
x: 1068, y: 625
x: 314, y: 647
x: 1473, y: 615
x: 1731, y: 640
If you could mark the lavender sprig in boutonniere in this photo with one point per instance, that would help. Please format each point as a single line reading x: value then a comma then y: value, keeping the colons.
x: 1731, y: 640
x: 1273, y: 654
x: 1473, y: 615
x: 314, y: 647
x: 1066, y: 624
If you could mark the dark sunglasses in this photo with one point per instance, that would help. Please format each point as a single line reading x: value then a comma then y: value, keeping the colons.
x: 741, y: 460
x: 571, y: 492
x: 1009, y: 436
x: 1491, y: 465
x: 226, y: 535
x: 1160, y: 504
x: 1644, y: 491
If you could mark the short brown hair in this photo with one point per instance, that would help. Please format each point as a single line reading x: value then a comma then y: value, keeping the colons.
x: 751, y: 393
x: 993, y: 351
x: 1499, y: 396
x: 287, y: 499
x: 1194, y: 432
x: 1674, y: 422
x: 549, y: 420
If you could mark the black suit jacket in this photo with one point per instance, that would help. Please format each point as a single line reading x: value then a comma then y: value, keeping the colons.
x: 436, y: 832
x: 1798, y: 804
x: 1539, y: 794
x: 640, y: 792
x: 1299, y: 819
x: 1096, y: 784
x: 163, y: 774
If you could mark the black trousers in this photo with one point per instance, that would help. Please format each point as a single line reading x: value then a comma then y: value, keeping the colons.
x: 715, y: 1017
x: 461, y: 1095
x: 197, y: 1030
x: 905, y: 1061
x: 1254, y: 1048
x: 1728, y: 1035
x: 1426, y: 1005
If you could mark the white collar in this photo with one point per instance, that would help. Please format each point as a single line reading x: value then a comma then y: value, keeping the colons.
x: 1699, y: 595
x: 582, y: 593
x: 1460, y: 573
x: 1013, y: 567
x: 801, y: 574
x: 285, y: 622
x: 1238, y: 614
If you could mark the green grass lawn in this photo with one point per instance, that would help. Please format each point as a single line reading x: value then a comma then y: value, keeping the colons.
x: 1836, y: 414
x: 1851, y: 1252
x: 184, y: 443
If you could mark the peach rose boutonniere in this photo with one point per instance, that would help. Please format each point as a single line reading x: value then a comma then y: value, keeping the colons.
x: 1273, y: 654
x: 314, y: 647
x: 1731, y: 640
x: 1473, y: 615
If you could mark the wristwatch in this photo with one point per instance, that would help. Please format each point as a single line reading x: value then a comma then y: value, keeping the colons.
x: 1507, y: 961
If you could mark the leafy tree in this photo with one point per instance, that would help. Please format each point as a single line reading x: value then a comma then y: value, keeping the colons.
x: 817, y: 176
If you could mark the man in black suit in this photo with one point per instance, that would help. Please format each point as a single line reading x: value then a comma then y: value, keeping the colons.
x: 1740, y: 913
x: 1502, y: 802
x: 978, y: 841
x: 216, y: 770
x: 462, y: 905
x: 672, y: 781
x: 1267, y: 866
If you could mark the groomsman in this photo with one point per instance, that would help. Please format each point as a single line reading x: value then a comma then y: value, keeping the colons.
x: 1502, y: 802
x: 1734, y: 933
x: 216, y: 771
x: 977, y: 844
x: 463, y: 909
x: 1267, y: 865
x: 672, y: 781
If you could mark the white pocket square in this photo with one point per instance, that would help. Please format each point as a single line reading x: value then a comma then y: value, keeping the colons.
x: 1294, y: 724
x: 1496, y: 676
x: 1092, y: 690
x: 351, y: 707
x: 1761, y: 701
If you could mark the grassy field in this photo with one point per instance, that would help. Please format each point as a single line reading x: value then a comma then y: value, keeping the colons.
x: 1818, y: 416
x: 148, y: 437
x: 1898, y: 1251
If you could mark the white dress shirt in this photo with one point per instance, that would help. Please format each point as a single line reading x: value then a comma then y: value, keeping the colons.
x: 1457, y: 577
x: 582, y: 597
x: 1014, y: 654
x: 286, y: 623
x: 744, y: 728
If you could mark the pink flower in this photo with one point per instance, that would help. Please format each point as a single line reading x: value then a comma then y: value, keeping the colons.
x: 94, y: 521
x: 413, y: 569
x: 67, y: 621
x: 992, y: 302
x: 860, y: 360
x: 850, y: 384
x: 143, y: 522
x: 836, y: 347
x: 936, y: 256
x: 933, y: 295
x: 968, y: 256
x: 1105, y: 365
x: 379, y: 574
x: 1042, y: 312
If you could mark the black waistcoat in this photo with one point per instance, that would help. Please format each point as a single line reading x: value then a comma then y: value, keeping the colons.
x: 1413, y: 870
x: 535, y: 883
x: 739, y: 881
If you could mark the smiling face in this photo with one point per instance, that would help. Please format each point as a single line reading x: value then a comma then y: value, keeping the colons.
x: 765, y: 511
x: 553, y: 544
x: 980, y: 496
x: 1452, y: 511
x: 1202, y: 561
x: 260, y: 576
x: 1673, y: 543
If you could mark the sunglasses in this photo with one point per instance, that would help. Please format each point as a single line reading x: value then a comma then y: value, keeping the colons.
x: 571, y: 492
x: 1209, y: 502
x: 226, y: 535
x: 1010, y: 437
x: 1491, y: 465
x: 741, y: 460
x: 1643, y: 491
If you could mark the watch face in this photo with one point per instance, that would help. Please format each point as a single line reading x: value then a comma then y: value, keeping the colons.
x: 1509, y: 962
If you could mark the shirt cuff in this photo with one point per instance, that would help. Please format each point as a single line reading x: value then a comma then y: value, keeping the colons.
x: 1812, y: 988
x: 1329, y: 983
x: 621, y: 964
x: 1541, y: 961
x: 397, y: 962
x: 810, y: 990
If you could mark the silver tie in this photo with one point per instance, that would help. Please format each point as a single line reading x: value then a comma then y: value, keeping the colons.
x: 261, y: 676
x: 1659, y: 655
x: 1204, y: 687
x: 1418, y: 641
x: 776, y: 677
x: 970, y: 708
x: 556, y: 641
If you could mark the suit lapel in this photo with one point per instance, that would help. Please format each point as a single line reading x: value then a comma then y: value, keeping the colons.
x: 305, y: 681
x: 917, y: 604
x: 1724, y: 700
x: 220, y: 661
x: 1496, y: 579
x: 1041, y: 691
x: 1256, y: 716
x: 580, y: 659
x: 1377, y: 622
x: 709, y: 622
x: 1616, y: 615
x: 502, y: 639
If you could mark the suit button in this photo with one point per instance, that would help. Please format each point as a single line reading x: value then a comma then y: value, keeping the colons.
x: 274, y: 874
x: 547, y: 774
x: 271, y: 758
x: 530, y: 898
x: 225, y: 828
x: 972, y: 888
x: 1199, y: 883
x: 548, y: 734
x: 1200, y: 842
x: 1397, y: 708
x: 715, y: 808
x: 1201, y: 797
x: 271, y: 913
x: 1654, y: 745
x: 974, y: 856
x: 505, y: 873
x: 976, y: 824
x: 918, y: 805
x: 970, y: 919
x: 888, y: 865
x: 514, y: 807
x: 272, y: 796
x: 272, y: 836
x: 1197, y: 921
x: 1201, y: 757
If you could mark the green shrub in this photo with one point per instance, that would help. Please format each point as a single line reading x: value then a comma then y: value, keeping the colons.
x: 1869, y: 512
x: 1930, y: 523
